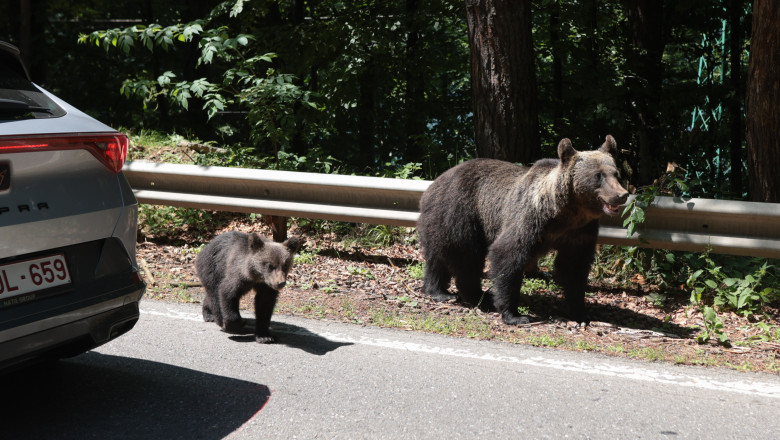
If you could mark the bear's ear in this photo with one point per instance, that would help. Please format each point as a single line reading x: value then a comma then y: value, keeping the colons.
x: 565, y: 150
x: 292, y: 244
x: 256, y: 242
x: 609, y: 146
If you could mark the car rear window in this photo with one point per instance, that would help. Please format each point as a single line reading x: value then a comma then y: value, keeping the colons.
x: 19, y: 97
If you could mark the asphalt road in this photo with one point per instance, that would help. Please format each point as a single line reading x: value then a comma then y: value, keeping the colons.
x: 176, y: 377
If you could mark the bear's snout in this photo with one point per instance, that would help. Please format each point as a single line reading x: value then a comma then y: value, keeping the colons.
x: 281, y: 285
x: 612, y: 204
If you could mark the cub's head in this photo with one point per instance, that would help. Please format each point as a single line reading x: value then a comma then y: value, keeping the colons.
x: 594, y: 177
x: 270, y: 262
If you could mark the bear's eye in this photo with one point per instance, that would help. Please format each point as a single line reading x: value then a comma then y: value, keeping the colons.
x: 599, y: 176
x: 271, y: 266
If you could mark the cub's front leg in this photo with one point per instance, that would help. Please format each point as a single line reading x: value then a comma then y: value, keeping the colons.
x: 265, y: 301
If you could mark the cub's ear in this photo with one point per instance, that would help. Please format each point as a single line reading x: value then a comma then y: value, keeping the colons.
x: 256, y: 242
x: 609, y: 146
x: 565, y: 150
x: 292, y: 244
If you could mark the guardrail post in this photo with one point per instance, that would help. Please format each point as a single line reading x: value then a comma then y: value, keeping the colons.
x: 278, y: 227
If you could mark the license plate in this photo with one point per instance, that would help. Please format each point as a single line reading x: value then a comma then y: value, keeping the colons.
x: 33, y: 275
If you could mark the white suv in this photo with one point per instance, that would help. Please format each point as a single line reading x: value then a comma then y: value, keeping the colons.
x: 69, y: 279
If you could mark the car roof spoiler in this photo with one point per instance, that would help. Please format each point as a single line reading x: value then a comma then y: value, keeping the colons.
x: 9, y: 57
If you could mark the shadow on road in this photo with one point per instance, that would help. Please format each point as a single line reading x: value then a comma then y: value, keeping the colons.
x: 112, y: 397
x: 553, y: 304
x: 292, y: 336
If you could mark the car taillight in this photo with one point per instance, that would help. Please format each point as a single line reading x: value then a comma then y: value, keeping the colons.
x: 111, y: 150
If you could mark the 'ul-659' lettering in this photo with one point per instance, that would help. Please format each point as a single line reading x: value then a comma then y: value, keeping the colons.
x: 32, y: 275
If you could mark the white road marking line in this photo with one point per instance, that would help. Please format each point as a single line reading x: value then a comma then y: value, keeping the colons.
x: 174, y: 314
x: 603, y: 369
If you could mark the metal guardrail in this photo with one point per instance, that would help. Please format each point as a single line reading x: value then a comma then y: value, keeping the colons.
x: 278, y: 193
x: 728, y: 227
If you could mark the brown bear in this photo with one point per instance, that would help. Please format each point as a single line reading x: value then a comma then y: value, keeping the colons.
x: 234, y: 263
x: 512, y: 215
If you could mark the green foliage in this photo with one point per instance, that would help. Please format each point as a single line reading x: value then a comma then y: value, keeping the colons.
x: 713, y: 327
x: 271, y: 99
x: 359, y: 271
x: 316, y: 161
x: 381, y: 235
x: 416, y: 270
x: 407, y: 301
x: 150, y: 90
x: 331, y: 287
x: 744, y: 289
x: 390, y: 80
x: 167, y: 220
x: 532, y: 285
x: 669, y: 184
x: 658, y: 299
x: 405, y: 171
x: 343, y: 77
x: 769, y: 333
x: 744, y: 286
x: 306, y: 256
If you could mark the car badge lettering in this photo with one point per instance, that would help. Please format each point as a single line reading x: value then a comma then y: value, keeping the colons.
x: 40, y: 206
x: 5, y: 176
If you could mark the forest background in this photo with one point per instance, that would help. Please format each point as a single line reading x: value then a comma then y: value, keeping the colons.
x: 371, y: 87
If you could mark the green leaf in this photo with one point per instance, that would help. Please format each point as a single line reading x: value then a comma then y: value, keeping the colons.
x: 709, y: 314
x: 631, y: 229
x: 742, y: 300
x: 237, y: 8
x: 711, y: 284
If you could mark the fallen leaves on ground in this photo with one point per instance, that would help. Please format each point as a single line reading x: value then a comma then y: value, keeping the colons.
x: 374, y: 286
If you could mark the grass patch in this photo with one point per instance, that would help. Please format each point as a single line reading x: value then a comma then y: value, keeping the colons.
x: 585, y: 346
x: 647, y: 354
x: 473, y: 326
x: 546, y: 340
x: 306, y: 256
x: 416, y: 271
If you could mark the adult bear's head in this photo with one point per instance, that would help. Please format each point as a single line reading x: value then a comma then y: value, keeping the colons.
x: 594, y: 177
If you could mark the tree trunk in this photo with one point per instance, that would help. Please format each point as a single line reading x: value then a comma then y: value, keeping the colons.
x: 736, y: 122
x: 366, y: 107
x: 503, y: 79
x: 415, y: 87
x: 643, y: 84
x: 762, y: 104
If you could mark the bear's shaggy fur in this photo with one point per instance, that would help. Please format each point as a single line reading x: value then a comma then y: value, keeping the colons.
x: 234, y: 263
x: 512, y: 215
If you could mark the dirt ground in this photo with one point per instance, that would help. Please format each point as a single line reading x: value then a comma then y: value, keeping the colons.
x: 345, y: 281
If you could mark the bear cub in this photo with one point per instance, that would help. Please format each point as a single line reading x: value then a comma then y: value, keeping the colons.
x: 234, y: 263
x: 511, y: 215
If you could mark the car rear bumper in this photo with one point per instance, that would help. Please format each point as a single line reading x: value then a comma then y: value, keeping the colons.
x: 71, y: 333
